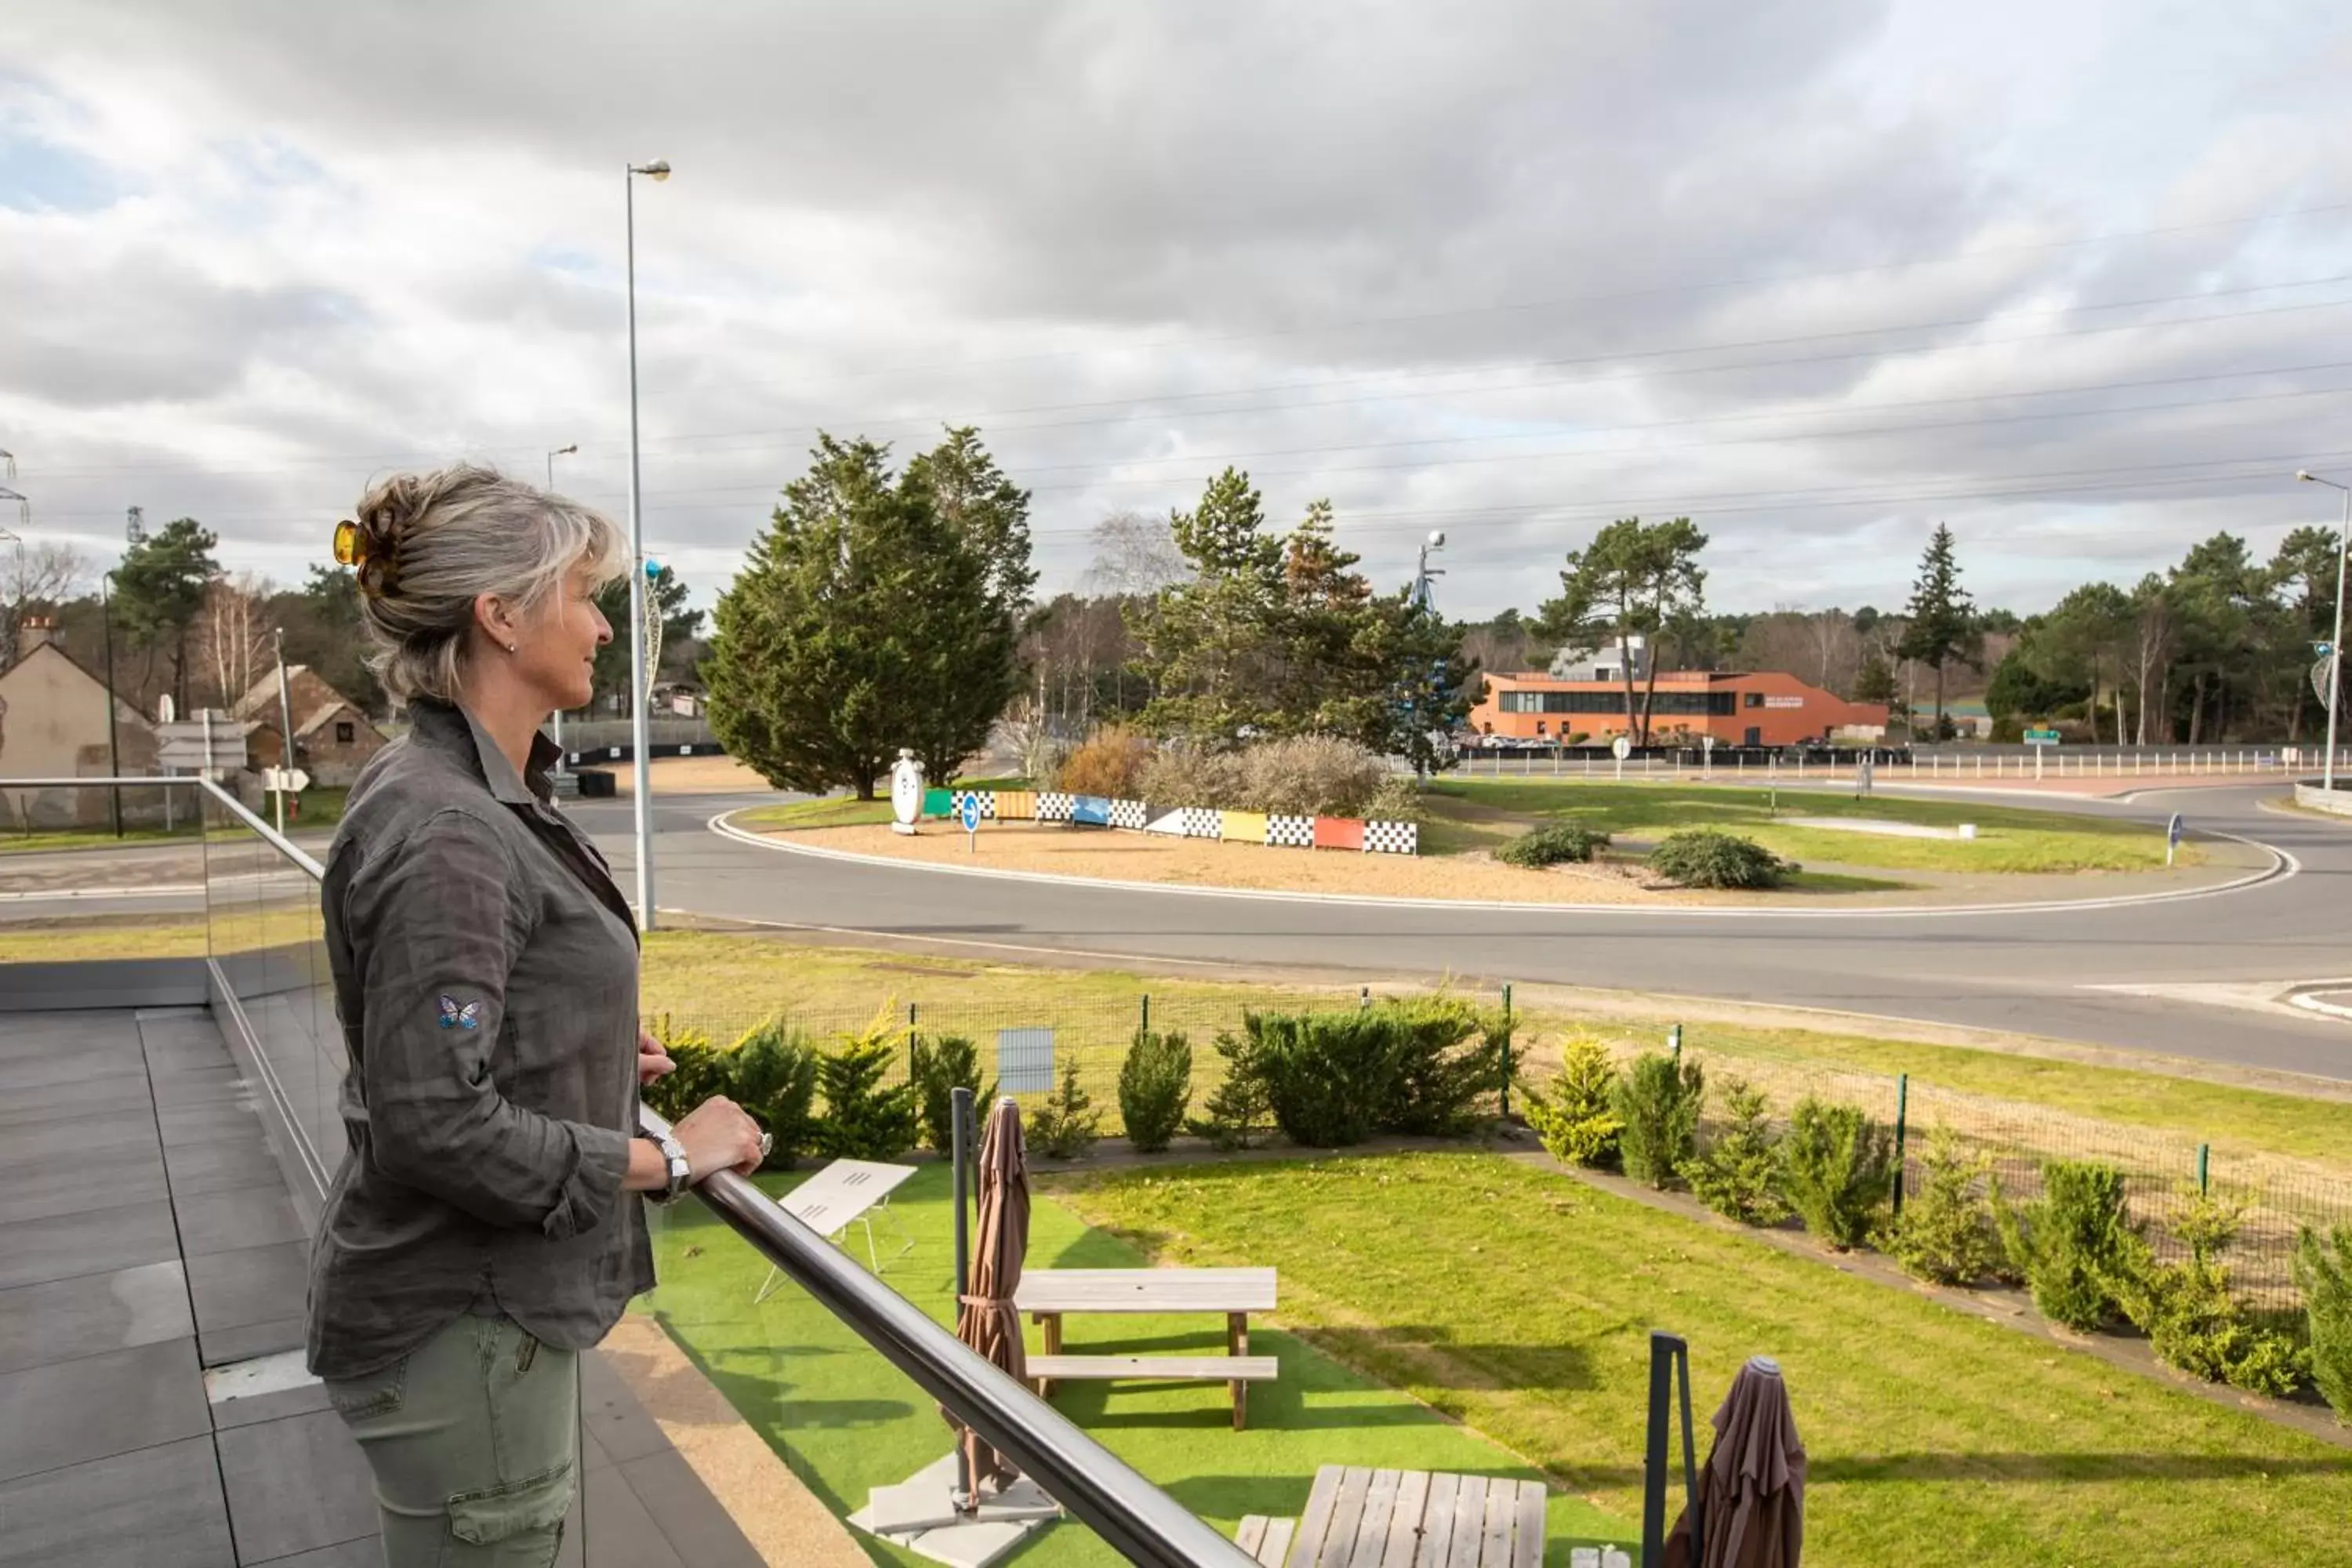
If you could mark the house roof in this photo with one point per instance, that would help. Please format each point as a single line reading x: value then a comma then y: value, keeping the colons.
x: 263, y: 694
x: 327, y: 712
x: 127, y: 710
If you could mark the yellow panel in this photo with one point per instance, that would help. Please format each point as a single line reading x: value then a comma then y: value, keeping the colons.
x: 1243, y: 827
x: 1016, y: 806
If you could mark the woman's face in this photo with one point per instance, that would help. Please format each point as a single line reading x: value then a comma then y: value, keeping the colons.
x: 558, y: 653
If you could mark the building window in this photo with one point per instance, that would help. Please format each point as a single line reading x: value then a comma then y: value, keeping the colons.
x: 345, y: 732
x: 1751, y: 700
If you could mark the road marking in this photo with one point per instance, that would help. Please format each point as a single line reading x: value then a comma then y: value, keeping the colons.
x: 878, y: 931
x: 2282, y: 866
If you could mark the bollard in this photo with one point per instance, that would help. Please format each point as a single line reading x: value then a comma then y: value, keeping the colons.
x: 911, y: 1042
x: 2204, y: 1152
x: 1674, y: 1042
x: 1145, y: 1026
x: 1902, y: 1115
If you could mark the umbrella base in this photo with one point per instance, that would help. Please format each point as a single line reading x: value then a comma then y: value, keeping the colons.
x: 920, y: 1514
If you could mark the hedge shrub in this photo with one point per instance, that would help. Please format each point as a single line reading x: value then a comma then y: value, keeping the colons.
x: 1419, y: 1066
x: 773, y: 1078
x: 1946, y: 1233
x: 2185, y: 1308
x: 2323, y: 1271
x: 865, y: 1119
x: 2069, y: 1244
x: 1553, y: 843
x: 1573, y: 1115
x: 1241, y: 1110
x: 1155, y: 1088
x: 1658, y: 1101
x: 1710, y: 857
x: 1107, y: 762
x: 1835, y: 1168
x: 1307, y: 776
x: 1737, y: 1174
x: 1066, y: 1125
x: 938, y: 1068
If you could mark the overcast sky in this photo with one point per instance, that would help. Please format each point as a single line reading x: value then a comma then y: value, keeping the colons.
x: 2074, y: 277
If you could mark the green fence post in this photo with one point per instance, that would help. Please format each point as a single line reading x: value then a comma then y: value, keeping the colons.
x: 1674, y: 1042
x: 911, y: 1042
x: 1365, y: 1000
x: 1145, y: 1027
x: 2204, y: 1152
x: 1507, y: 1050
x: 1902, y: 1115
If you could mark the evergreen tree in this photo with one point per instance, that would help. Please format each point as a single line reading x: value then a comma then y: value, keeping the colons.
x: 1874, y: 682
x: 872, y: 614
x: 159, y: 590
x: 1210, y: 645
x: 1633, y: 580
x: 1943, y: 619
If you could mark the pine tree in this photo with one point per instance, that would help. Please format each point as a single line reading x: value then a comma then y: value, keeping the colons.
x: 1943, y: 618
x: 1631, y: 581
x: 159, y: 590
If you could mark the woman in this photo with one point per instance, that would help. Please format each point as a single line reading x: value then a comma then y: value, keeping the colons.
x: 481, y: 1232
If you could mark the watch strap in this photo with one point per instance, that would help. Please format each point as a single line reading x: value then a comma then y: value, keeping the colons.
x: 681, y: 1172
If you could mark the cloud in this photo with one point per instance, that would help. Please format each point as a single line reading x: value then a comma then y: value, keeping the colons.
x: 1818, y: 275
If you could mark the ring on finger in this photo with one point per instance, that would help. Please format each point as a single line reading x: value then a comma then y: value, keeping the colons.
x: 767, y: 1144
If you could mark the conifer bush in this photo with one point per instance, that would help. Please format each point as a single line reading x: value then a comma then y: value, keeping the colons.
x: 1737, y: 1176
x: 1835, y: 1168
x: 1155, y: 1088
x: 1658, y: 1101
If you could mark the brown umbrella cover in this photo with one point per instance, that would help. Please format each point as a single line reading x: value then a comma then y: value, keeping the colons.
x: 985, y: 1317
x: 1752, y: 1491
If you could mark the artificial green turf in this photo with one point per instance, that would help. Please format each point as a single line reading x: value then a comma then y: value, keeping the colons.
x: 1521, y: 1301
x: 2008, y: 839
x: 847, y: 1421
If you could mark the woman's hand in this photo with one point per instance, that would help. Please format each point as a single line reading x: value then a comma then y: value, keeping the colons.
x: 652, y: 1062
x: 718, y: 1135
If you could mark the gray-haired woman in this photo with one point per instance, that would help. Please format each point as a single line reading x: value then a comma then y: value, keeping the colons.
x: 482, y: 1229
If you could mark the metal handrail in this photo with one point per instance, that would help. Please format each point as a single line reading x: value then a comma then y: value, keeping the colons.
x: 1135, y: 1517
x: 276, y: 841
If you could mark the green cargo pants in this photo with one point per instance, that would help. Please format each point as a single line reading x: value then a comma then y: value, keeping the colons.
x: 474, y: 1440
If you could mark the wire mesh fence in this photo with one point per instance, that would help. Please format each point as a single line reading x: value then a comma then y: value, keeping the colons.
x: 2277, y: 1196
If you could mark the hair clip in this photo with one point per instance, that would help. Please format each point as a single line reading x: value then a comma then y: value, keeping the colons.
x: 347, y: 544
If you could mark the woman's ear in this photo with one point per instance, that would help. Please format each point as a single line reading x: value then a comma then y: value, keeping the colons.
x: 496, y: 619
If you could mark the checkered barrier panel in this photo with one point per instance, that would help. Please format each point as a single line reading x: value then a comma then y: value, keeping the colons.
x: 1392, y: 838
x: 1054, y: 805
x: 1129, y: 813
x: 1290, y: 832
x: 1170, y: 820
x: 987, y: 798
x: 1339, y: 833
x: 1203, y: 822
x: 1090, y: 810
x: 1241, y: 827
x: 1016, y: 806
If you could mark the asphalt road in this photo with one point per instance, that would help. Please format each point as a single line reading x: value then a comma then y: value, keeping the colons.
x: 2033, y: 972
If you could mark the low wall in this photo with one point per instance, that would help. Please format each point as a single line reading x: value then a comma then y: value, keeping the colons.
x: 2338, y: 801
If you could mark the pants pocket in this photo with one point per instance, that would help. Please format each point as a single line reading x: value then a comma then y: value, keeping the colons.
x: 378, y: 1393
x: 516, y: 1511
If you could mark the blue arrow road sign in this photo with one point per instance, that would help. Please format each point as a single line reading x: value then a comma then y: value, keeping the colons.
x: 2172, y: 833
x: 970, y: 812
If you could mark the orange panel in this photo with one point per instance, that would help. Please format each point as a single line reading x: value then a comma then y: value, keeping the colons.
x: 1339, y: 833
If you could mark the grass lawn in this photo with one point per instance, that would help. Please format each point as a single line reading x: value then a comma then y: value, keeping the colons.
x: 847, y: 811
x: 1481, y: 813
x: 320, y: 808
x: 1520, y: 1302
x: 847, y: 1421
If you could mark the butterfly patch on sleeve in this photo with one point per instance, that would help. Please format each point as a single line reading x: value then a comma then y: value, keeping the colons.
x: 453, y: 1016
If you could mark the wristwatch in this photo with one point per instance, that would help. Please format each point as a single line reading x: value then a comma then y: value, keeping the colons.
x: 680, y: 1173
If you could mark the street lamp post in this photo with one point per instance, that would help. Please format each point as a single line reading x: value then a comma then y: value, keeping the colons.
x: 1420, y: 585
x: 2335, y: 642
x: 639, y: 730
x: 113, y: 747
x: 553, y: 454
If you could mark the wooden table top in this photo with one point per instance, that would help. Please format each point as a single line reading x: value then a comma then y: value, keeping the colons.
x: 1359, y: 1518
x: 1145, y: 1290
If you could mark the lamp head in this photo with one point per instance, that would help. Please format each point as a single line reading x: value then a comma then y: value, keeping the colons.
x: 2304, y: 474
x: 1437, y: 539
x: 565, y: 451
x: 657, y: 169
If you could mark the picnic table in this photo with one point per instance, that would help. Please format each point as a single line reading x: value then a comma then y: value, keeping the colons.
x: 1048, y: 1295
x: 1358, y: 1518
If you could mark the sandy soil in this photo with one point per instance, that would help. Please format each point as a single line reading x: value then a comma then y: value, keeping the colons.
x: 690, y: 775
x: 1150, y: 857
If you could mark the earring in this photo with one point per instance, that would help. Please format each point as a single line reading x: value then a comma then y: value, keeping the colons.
x: 510, y: 648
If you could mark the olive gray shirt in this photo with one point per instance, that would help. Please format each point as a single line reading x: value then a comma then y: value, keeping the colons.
x: 486, y: 976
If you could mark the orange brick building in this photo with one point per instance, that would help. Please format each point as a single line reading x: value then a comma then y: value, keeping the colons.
x: 1759, y: 707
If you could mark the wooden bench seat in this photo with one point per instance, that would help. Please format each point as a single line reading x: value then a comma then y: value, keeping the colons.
x: 1265, y: 1540
x: 1237, y: 1371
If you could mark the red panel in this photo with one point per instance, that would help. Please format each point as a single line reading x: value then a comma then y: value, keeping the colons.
x: 1339, y: 833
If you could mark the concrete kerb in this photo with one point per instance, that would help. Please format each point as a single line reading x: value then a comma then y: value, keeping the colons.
x: 2283, y: 865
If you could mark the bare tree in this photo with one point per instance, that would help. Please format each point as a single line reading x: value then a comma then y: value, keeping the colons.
x: 34, y: 579
x: 231, y: 638
x: 1135, y: 556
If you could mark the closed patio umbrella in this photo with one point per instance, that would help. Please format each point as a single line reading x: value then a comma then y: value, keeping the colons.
x: 985, y: 1317
x: 1752, y: 1491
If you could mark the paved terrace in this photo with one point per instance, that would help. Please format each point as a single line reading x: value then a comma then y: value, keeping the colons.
x: 151, y: 1271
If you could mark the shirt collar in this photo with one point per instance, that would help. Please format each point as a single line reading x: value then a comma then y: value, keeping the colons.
x: 451, y: 728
